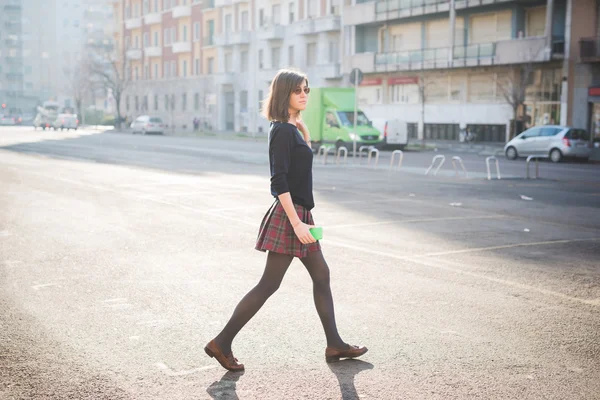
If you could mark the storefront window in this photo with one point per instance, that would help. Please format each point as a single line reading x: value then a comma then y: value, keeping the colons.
x: 595, y: 122
x: 542, y: 98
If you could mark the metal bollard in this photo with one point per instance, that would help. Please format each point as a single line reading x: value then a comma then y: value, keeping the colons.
x: 326, y: 153
x: 438, y: 157
x: 537, y: 165
x: 401, y: 156
x: 371, y: 151
x: 342, y: 150
x: 360, y: 150
x: 489, y: 173
x: 462, y: 165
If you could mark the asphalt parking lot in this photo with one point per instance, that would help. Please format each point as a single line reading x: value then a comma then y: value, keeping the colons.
x: 121, y: 255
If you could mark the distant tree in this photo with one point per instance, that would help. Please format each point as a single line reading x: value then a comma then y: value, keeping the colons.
x: 112, y: 69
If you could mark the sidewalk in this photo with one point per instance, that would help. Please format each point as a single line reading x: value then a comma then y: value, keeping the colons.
x: 482, y: 149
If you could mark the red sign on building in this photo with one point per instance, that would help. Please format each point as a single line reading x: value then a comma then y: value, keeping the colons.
x: 594, y: 91
x: 403, y: 80
x: 371, y: 82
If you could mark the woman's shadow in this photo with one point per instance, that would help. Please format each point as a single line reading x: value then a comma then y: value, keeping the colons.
x: 225, y: 388
x: 345, y: 371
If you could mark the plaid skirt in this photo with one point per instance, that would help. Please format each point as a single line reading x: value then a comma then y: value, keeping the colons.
x: 277, y: 234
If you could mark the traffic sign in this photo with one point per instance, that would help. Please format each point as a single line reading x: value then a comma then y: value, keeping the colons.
x: 356, y: 76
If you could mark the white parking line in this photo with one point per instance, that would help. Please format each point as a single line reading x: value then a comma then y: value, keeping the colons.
x: 400, y: 221
x: 169, y: 372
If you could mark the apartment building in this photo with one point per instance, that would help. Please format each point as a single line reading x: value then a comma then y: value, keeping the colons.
x: 214, y: 59
x: 446, y: 65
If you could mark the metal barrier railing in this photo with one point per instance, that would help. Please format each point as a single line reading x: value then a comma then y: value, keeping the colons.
x: 371, y: 151
x: 537, y: 165
x: 438, y: 157
x: 401, y: 157
x: 342, y: 150
x: 456, y: 159
x: 489, y: 173
x: 360, y: 151
x: 326, y: 153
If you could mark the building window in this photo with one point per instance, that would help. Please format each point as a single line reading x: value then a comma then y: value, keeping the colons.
x: 185, y: 33
x: 183, y: 101
x: 292, y: 12
x: 481, y: 88
x: 291, y: 56
x: 155, y: 102
x: 167, y: 37
x: 137, y: 73
x: 184, y: 68
x: 261, y: 18
x: 313, y: 8
x: 260, y: 59
x: 196, y: 31
x: 155, y: 71
x: 146, y: 39
x: 145, y: 104
x: 197, y: 101
x: 275, y: 57
x: 146, y: 71
x: 244, y: 21
x: 137, y: 103
x: 173, y: 35
x: 406, y: 94
x: 228, y: 62
x: 211, y: 65
x: 137, y: 42
x: 174, y: 69
x: 260, y: 99
x: 311, y: 54
x: 244, y: 61
x: 156, y: 38
x: 197, y: 66
x: 146, y: 7
x: 244, y: 101
x: 127, y: 103
x: 334, y: 52
x: 166, y: 70
x: 276, y: 16
x: 155, y: 5
x: 173, y: 102
x: 166, y: 102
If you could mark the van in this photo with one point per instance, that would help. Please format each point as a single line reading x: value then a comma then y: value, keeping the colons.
x: 395, y: 132
x: 329, y: 117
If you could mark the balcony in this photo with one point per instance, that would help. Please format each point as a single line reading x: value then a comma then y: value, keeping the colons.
x: 271, y: 32
x: 226, y: 78
x: 208, y: 41
x: 326, y: 71
x: 223, y: 3
x: 133, y: 23
x: 182, y: 11
x: 232, y: 38
x: 520, y: 51
x: 154, y: 18
x: 208, y: 4
x: 182, y: 47
x: 134, y: 54
x: 464, y: 56
x: 384, y: 10
x: 153, y: 51
x: 327, y: 24
x: 589, y: 49
x: 13, y: 42
x: 305, y: 27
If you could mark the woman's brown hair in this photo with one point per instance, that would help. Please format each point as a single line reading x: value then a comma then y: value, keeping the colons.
x: 276, y: 106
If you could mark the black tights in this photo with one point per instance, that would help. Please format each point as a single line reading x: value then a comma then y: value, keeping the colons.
x: 277, y: 265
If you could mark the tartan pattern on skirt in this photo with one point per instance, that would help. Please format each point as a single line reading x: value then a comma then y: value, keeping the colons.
x: 277, y: 234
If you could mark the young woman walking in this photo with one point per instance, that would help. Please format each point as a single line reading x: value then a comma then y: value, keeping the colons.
x: 284, y: 231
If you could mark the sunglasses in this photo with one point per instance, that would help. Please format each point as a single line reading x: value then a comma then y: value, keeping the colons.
x: 298, y: 90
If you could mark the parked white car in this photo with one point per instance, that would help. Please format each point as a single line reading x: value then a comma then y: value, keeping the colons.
x: 554, y: 141
x: 146, y: 124
x: 394, y: 131
x: 66, y: 121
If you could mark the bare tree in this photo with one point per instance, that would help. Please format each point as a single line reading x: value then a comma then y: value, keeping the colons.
x: 514, y: 88
x: 80, y: 83
x: 112, y: 68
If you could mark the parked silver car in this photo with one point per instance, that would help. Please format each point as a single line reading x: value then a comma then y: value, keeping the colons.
x: 554, y: 141
x: 146, y: 124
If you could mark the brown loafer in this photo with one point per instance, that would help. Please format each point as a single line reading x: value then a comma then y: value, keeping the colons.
x: 333, y: 354
x: 227, y: 361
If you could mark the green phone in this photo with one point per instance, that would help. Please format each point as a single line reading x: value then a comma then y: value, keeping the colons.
x: 317, y: 232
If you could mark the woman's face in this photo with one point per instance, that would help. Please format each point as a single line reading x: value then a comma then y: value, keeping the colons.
x: 299, y: 98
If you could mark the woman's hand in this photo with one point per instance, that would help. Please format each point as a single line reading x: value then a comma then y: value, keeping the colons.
x: 302, y: 231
